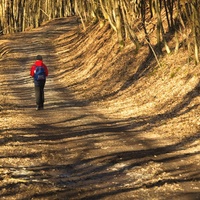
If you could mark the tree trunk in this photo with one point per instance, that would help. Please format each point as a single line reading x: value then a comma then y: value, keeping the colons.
x: 119, y: 23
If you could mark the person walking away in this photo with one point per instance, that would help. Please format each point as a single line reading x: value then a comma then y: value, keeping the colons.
x: 39, y: 72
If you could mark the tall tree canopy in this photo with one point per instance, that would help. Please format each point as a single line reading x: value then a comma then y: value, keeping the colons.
x: 126, y: 17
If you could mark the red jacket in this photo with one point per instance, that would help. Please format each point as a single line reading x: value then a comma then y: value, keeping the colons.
x: 38, y: 63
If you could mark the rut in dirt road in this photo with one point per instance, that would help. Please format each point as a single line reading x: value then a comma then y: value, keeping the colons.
x: 74, y: 149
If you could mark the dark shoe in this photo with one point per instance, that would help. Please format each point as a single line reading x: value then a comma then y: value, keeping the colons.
x: 38, y: 108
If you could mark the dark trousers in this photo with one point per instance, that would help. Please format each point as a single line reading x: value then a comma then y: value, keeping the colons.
x: 39, y: 93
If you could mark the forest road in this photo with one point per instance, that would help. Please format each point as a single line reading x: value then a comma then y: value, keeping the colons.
x: 70, y: 150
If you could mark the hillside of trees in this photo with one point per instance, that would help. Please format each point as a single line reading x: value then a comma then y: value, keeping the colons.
x: 121, y: 116
x: 170, y: 20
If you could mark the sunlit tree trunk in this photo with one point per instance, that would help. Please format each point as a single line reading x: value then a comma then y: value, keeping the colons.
x: 195, y: 25
x: 119, y: 22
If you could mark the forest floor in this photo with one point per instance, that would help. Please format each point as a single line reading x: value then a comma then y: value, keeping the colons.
x: 115, y: 124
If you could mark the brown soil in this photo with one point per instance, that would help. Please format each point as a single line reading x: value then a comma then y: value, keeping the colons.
x: 116, y: 125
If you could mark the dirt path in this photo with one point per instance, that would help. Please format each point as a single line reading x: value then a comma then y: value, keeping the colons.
x: 72, y: 149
